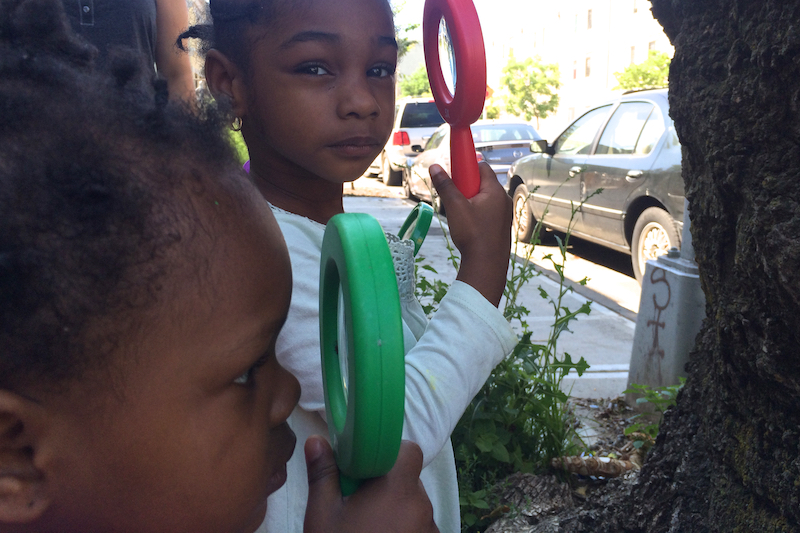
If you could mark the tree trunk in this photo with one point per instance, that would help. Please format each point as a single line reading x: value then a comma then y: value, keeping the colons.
x: 728, y: 456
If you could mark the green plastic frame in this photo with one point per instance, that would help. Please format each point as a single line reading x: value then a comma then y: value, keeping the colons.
x: 417, y: 225
x: 366, y: 420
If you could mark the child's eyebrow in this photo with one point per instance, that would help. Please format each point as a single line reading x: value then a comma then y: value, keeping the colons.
x: 332, y: 38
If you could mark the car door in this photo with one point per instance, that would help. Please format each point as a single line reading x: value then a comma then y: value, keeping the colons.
x: 619, y: 166
x: 556, y: 184
x: 437, y: 150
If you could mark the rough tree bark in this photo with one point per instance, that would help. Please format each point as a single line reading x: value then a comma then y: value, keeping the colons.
x: 728, y: 456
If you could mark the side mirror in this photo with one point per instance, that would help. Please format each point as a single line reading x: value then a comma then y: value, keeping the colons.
x: 417, y: 148
x: 540, y: 147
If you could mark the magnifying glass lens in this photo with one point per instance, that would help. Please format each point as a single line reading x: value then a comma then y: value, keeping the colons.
x: 447, y: 57
x: 342, y: 344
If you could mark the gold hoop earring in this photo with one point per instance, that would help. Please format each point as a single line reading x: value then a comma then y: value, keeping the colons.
x: 237, y: 124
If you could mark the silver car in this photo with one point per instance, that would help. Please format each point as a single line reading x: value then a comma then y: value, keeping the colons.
x: 414, y: 121
x: 499, y: 143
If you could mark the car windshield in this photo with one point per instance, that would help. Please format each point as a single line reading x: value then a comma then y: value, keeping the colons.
x: 421, y: 115
x: 503, y: 132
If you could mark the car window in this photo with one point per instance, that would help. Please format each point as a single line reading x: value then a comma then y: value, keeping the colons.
x: 503, y: 132
x: 578, y: 138
x: 622, y: 131
x: 436, y: 139
x: 421, y: 115
x: 651, y: 133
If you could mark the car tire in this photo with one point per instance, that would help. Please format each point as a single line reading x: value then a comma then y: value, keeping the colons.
x: 653, y: 235
x: 390, y: 177
x: 407, y: 186
x: 524, y: 221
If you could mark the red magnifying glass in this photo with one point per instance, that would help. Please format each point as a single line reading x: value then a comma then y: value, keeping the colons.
x: 456, y: 62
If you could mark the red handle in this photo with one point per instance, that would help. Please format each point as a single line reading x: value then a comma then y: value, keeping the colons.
x: 463, y: 161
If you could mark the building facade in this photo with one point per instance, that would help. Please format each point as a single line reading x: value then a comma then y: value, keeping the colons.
x: 590, y: 40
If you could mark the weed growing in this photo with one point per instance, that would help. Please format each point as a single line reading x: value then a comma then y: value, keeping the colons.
x: 661, y: 398
x: 520, y: 419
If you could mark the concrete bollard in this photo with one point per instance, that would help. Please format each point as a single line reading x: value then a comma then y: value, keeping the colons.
x: 671, y: 311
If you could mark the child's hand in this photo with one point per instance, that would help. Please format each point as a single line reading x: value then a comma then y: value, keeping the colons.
x: 480, y: 228
x: 394, y: 503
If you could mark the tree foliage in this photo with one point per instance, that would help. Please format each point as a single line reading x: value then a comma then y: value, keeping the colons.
x: 531, y: 87
x: 651, y: 73
x: 403, y: 33
x: 416, y: 83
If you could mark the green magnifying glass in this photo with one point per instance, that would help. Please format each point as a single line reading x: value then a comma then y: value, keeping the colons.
x: 417, y: 225
x: 361, y: 341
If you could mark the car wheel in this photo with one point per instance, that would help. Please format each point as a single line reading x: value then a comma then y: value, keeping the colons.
x: 653, y: 235
x: 437, y: 205
x: 407, y: 186
x: 524, y: 222
x: 390, y: 177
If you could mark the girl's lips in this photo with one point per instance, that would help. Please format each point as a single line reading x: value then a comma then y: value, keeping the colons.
x: 282, y: 433
x: 357, y: 146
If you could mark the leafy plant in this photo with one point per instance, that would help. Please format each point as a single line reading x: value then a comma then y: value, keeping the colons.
x: 239, y: 146
x: 532, y: 87
x: 651, y: 73
x: 661, y: 398
x: 416, y: 83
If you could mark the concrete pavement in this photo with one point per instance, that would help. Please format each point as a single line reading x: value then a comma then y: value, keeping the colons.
x: 604, y: 337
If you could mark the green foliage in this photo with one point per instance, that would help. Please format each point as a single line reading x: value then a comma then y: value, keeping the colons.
x: 416, y: 83
x: 520, y: 418
x: 649, y: 74
x: 239, y: 145
x: 492, y: 112
x: 404, y: 41
x: 661, y: 398
x: 532, y: 87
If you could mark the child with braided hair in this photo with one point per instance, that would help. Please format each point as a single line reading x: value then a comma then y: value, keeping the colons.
x: 143, y: 284
x: 311, y: 84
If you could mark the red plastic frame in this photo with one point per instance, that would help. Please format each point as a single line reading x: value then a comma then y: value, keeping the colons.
x: 465, y: 106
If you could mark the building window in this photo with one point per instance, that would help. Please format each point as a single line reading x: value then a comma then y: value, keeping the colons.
x: 574, y: 70
x: 651, y: 45
x: 589, y: 20
x: 633, y: 55
x: 588, y: 66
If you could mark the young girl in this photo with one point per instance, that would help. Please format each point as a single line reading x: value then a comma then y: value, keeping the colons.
x: 143, y: 284
x: 312, y: 84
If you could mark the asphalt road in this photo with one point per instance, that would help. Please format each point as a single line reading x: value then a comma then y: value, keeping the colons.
x: 604, y: 337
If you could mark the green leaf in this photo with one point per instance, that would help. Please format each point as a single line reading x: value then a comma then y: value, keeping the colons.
x: 500, y: 453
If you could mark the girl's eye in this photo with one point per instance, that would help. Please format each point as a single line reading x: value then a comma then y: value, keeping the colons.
x: 314, y: 70
x: 381, y: 72
x: 247, y: 377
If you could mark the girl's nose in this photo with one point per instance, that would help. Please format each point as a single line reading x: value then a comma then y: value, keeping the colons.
x: 358, y: 100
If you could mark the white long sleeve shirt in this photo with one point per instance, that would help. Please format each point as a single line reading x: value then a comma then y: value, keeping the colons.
x: 447, y: 361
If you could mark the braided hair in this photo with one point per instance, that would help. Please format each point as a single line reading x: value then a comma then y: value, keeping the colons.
x: 97, y: 171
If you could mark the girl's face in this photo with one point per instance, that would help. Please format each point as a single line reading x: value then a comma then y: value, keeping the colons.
x: 320, y: 92
x: 190, y: 434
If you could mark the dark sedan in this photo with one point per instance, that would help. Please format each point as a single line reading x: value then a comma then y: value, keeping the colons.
x: 499, y: 143
x: 626, y: 148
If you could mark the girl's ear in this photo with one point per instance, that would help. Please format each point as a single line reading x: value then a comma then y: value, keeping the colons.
x: 23, y: 497
x: 226, y: 81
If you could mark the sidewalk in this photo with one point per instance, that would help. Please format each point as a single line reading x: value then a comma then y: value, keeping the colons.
x: 604, y: 338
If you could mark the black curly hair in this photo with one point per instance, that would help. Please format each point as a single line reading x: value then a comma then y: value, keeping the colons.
x: 97, y: 172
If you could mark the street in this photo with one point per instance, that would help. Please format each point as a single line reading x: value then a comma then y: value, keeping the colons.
x: 604, y: 338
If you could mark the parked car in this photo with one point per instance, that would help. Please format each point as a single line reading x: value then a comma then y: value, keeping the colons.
x: 499, y: 143
x: 626, y: 148
x: 414, y: 121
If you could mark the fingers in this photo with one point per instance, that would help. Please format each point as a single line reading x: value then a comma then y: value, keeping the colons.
x: 324, y: 494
